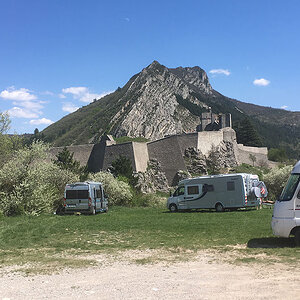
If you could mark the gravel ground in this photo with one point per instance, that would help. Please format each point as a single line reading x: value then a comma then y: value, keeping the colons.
x: 203, y: 277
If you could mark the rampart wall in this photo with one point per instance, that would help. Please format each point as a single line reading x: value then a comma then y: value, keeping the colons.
x: 81, y: 152
x: 207, y: 139
x: 115, y: 151
x: 168, y: 152
x: 188, y: 140
x: 141, y: 156
x: 260, y: 153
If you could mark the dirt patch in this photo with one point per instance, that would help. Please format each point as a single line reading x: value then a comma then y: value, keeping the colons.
x: 153, y: 274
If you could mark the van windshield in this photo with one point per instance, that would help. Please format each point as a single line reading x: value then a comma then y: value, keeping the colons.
x: 77, y: 194
x: 290, y: 188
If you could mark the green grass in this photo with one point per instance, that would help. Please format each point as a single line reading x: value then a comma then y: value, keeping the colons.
x: 56, y: 240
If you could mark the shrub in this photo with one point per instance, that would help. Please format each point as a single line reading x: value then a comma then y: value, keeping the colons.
x: 276, y: 179
x: 148, y: 200
x: 119, y: 192
x: 31, y: 185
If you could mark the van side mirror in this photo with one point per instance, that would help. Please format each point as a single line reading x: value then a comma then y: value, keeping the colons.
x: 204, y: 188
x: 170, y: 193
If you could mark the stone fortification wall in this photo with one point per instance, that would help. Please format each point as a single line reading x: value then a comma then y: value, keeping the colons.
x: 115, y: 151
x: 96, y: 159
x: 207, y: 139
x: 188, y: 140
x: 168, y: 153
x: 261, y: 154
x: 141, y: 156
x: 81, y: 152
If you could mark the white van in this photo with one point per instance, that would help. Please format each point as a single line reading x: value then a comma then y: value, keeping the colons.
x: 286, y: 214
x: 219, y: 192
x: 86, y: 197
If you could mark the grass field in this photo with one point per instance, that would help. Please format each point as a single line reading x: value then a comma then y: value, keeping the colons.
x: 56, y: 240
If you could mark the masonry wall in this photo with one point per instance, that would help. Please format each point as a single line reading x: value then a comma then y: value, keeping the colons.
x: 115, y: 151
x: 207, y: 139
x: 187, y: 141
x: 141, y: 156
x: 96, y: 159
x: 168, y: 152
x: 261, y: 154
x: 81, y: 152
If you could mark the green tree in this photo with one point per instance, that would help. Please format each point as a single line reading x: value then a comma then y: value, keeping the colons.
x: 29, y: 184
x: 276, y: 154
x: 122, y: 167
x: 65, y: 161
x: 4, y: 122
x: 247, y: 134
x: 8, y: 143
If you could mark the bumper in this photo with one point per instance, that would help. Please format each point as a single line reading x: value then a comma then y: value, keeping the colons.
x: 282, y: 227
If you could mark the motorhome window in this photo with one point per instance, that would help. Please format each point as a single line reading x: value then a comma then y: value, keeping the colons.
x: 98, y: 194
x: 179, y: 191
x: 83, y: 194
x: 290, y: 188
x: 230, y: 186
x: 193, y: 190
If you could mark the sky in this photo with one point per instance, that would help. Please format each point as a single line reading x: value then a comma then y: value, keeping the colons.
x: 59, y: 55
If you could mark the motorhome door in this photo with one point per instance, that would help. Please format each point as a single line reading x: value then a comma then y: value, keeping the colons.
x: 194, y: 195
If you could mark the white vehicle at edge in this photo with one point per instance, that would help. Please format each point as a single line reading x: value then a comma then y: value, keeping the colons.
x: 219, y: 192
x: 286, y: 214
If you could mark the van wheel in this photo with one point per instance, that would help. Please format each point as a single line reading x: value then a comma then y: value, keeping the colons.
x: 173, y: 207
x: 297, y: 237
x: 219, y: 207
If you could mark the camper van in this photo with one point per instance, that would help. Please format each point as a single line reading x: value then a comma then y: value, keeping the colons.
x: 219, y: 192
x: 88, y: 197
x: 286, y: 214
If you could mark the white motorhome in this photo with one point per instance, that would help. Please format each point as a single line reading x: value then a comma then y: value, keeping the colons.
x: 286, y: 214
x: 86, y: 197
x: 220, y: 192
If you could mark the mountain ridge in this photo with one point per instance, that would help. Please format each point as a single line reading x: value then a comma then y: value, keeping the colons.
x: 161, y: 101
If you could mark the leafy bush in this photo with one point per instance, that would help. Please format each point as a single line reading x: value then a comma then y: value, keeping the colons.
x: 29, y: 184
x: 245, y: 168
x: 119, y: 192
x: 276, y: 179
x: 276, y: 154
x: 148, y: 200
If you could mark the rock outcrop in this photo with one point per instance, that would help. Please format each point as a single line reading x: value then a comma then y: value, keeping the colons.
x: 154, y: 179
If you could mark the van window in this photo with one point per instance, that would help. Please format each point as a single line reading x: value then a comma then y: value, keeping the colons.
x: 77, y: 194
x: 290, y: 188
x: 193, y: 190
x: 98, y: 194
x: 230, y: 186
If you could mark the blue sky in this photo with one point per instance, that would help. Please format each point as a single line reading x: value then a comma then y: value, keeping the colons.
x: 58, y: 55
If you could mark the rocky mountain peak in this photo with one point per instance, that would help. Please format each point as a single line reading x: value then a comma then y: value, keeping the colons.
x: 195, y: 77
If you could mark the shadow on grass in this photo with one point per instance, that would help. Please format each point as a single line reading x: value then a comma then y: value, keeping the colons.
x: 188, y: 211
x: 271, y: 242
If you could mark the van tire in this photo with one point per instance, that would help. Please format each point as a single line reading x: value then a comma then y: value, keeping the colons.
x: 173, y: 208
x: 219, y: 207
x: 297, y: 237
